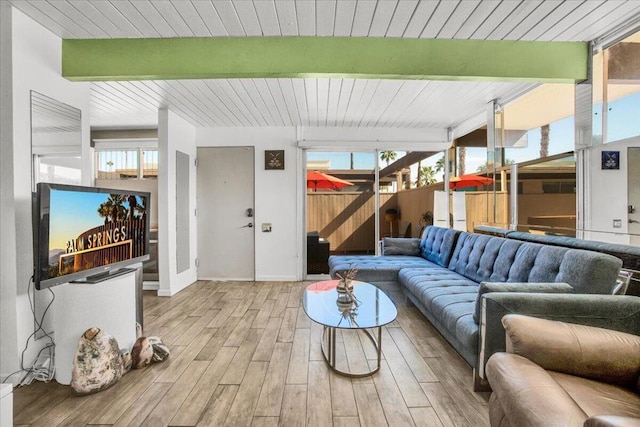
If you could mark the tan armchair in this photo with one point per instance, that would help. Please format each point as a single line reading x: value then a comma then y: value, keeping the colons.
x: 562, y: 374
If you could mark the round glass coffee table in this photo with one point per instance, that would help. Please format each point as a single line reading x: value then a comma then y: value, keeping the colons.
x: 372, y: 309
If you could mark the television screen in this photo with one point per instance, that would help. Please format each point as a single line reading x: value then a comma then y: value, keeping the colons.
x: 87, y: 232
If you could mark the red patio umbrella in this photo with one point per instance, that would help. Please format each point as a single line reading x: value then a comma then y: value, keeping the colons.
x: 317, y: 180
x: 463, y: 181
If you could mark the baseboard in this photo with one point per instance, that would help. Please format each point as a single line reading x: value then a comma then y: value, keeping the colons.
x: 165, y: 293
x: 257, y: 279
x: 276, y: 279
x: 149, y: 285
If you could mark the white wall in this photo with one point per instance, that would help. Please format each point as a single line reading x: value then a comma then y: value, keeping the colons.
x: 278, y: 254
x: 174, y: 134
x: 34, y: 63
x: 608, y: 193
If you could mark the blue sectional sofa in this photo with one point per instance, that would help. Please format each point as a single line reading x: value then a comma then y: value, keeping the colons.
x: 446, y: 273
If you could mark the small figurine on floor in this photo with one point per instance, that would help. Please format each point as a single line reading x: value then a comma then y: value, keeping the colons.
x: 147, y: 350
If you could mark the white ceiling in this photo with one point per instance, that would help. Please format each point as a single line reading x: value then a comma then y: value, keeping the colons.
x: 316, y: 102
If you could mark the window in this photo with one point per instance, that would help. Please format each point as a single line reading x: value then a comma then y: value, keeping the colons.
x: 127, y: 164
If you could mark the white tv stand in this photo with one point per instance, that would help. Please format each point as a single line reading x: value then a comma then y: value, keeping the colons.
x: 109, y: 305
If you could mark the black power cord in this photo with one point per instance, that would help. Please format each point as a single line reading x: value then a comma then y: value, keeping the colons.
x: 42, y: 373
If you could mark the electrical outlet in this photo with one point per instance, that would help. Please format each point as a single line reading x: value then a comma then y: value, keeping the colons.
x: 617, y: 223
x: 266, y: 227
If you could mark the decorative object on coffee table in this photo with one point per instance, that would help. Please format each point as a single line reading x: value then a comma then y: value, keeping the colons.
x: 98, y: 363
x: 345, y: 286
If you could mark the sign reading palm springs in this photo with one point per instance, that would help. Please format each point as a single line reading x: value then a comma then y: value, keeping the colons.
x: 108, y: 228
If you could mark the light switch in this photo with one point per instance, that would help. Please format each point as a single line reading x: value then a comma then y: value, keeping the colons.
x: 617, y: 223
x: 266, y: 227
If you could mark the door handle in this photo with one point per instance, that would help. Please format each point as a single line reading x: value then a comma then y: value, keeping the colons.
x: 250, y: 225
x: 633, y: 221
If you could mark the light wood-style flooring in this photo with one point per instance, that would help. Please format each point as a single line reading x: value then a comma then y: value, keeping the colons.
x: 245, y: 354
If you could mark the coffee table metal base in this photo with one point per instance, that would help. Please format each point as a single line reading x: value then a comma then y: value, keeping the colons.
x: 329, y: 351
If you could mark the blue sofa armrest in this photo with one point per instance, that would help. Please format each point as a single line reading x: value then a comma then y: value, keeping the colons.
x: 528, y: 287
x: 616, y: 312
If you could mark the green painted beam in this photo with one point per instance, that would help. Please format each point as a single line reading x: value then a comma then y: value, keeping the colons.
x: 340, y: 57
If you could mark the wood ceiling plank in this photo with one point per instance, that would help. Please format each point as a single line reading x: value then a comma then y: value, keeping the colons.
x: 229, y: 17
x: 401, y: 17
x: 493, y: 21
x: 363, y: 17
x: 191, y: 17
x: 323, y: 100
x: 139, y: 21
x: 111, y: 15
x: 382, y: 18
x: 325, y: 17
x: 268, y: 110
x: 439, y: 18
x: 335, y: 87
x: 248, y: 17
x: 576, y: 16
x: 238, y: 114
x: 458, y: 19
x: 50, y: 12
x: 268, y: 17
x: 546, y: 23
x: 382, y: 99
x: 211, y: 18
x: 306, y: 17
x: 301, y: 100
x: 311, y: 94
x: 249, y: 104
x: 287, y: 18
x: 289, y: 96
x: 355, y: 101
x: 274, y: 100
x: 198, y: 89
x: 605, y: 20
x: 169, y: 13
x: 477, y: 18
x: 346, y: 89
x: 399, y: 106
x: 345, y: 13
x: 420, y: 18
x: 154, y: 18
x: 520, y: 19
x: 85, y: 14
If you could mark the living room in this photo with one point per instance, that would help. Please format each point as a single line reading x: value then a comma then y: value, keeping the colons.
x: 32, y: 61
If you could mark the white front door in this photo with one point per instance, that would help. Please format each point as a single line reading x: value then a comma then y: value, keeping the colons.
x: 226, y: 231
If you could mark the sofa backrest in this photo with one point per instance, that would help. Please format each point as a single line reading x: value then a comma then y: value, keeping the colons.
x: 437, y: 244
x: 484, y: 258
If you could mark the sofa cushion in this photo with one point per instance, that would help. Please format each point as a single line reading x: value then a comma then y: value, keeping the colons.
x: 375, y: 269
x: 598, y: 398
x: 438, y: 243
x: 400, y: 246
x: 449, y: 297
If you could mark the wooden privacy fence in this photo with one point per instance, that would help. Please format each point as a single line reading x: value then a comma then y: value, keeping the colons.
x: 346, y: 220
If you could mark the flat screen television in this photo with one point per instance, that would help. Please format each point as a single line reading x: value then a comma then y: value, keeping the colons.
x: 87, y: 234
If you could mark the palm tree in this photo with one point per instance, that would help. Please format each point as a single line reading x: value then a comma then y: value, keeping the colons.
x: 113, y: 209
x: 462, y: 159
x: 427, y: 176
x: 351, y: 160
x: 388, y: 156
x: 544, y: 141
x: 418, y: 180
x: 133, y: 203
x: 104, y: 211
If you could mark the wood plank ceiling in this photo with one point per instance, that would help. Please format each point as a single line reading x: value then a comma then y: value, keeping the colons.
x: 315, y: 101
